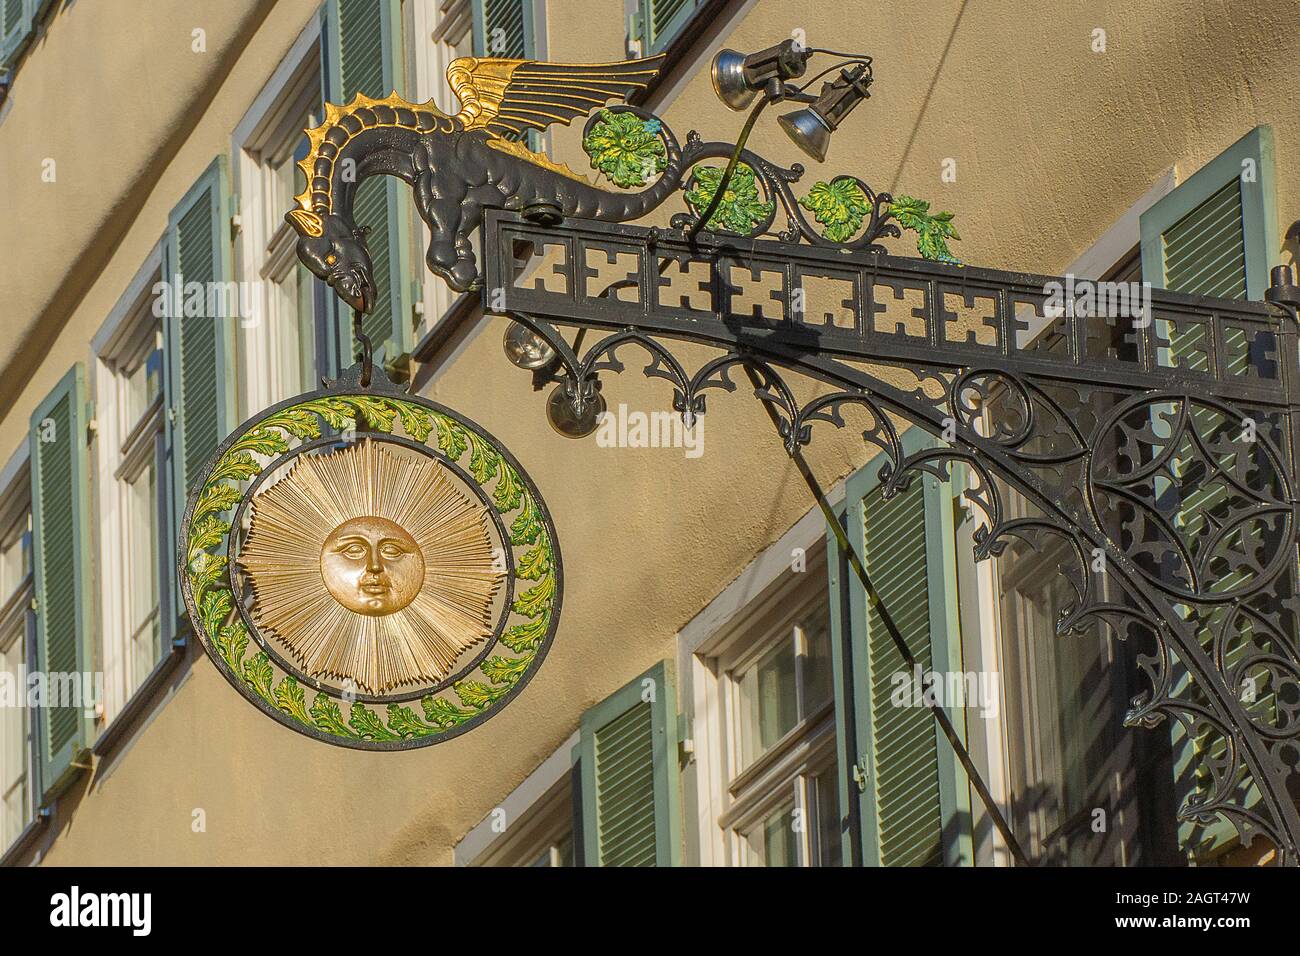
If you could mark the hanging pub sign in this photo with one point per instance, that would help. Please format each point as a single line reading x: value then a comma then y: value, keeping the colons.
x: 369, y: 567
x: 373, y: 569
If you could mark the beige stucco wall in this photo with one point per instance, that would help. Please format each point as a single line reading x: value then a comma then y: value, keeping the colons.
x: 1052, y: 143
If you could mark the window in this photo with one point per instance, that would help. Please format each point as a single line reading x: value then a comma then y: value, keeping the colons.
x: 61, y: 576
x: 1069, y: 752
x: 505, y: 28
x: 17, y: 21
x: 542, y: 836
x: 278, y: 335
x: 16, y: 801
x: 363, y: 50
x: 533, y: 825
x: 775, y: 758
x: 656, y: 23
x: 779, y: 697
x: 1215, y: 235
x: 132, y: 466
x: 441, y: 31
x: 628, y: 761
x: 908, y: 802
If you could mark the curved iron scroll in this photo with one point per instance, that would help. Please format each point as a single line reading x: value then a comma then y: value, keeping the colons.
x: 1160, y: 451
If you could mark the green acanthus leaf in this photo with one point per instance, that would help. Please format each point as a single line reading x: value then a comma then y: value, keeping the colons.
x: 451, y: 437
x: 505, y: 670
x: 740, y: 209
x: 289, y: 697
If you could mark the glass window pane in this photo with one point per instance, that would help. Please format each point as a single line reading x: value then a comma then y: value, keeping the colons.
x: 143, y: 384
x: 773, y: 842
x: 564, y: 850
x: 15, y: 557
x: 826, y: 797
x: 306, y: 330
x: 817, y: 680
x: 769, y: 705
x: 14, y: 751
x: 143, y: 569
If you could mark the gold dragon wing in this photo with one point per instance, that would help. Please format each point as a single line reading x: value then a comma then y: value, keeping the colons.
x: 510, y: 97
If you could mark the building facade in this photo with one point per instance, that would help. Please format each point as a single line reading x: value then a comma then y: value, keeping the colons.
x: 719, y: 692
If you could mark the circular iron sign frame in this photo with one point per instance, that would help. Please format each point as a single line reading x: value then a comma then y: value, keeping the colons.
x: 488, y: 679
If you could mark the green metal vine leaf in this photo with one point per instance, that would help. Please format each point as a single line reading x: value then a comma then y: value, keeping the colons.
x: 235, y: 466
x: 932, y: 231
x: 368, y: 724
x: 451, y: 437
x: 626, y: 148
x: 839, y: 205
x: 740, y: 210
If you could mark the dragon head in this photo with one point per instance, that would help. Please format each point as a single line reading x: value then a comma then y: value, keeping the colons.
x: 335, y: 252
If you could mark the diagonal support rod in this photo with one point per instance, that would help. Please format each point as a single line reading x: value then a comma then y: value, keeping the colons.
x: 873, y: 597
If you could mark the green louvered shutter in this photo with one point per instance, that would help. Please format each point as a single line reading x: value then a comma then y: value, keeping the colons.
x: 905, y: 793
x: 504, y: 28
x: 15, y: 26
x: 362, y: 53
x: 1214, y: 235
x: 198, y: 343
x: 627, y: 758
x: 1205, y: 251
x: 660, y: 21
x: 60, y: 561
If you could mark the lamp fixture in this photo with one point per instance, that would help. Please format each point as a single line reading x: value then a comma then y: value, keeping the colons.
x: 570, y: 420
x: 810, y: 128
x: 738, y: 78
x: 526, y: 349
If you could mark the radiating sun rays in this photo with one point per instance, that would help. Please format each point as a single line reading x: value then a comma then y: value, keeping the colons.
x: 387, y: 602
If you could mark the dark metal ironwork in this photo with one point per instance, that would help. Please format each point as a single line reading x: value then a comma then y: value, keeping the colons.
x: 1161, y: 451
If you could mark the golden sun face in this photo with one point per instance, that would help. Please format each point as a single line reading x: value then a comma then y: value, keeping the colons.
x: 371, y: 566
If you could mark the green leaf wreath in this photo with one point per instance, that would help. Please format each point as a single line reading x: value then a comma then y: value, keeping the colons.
x: 210, y: 587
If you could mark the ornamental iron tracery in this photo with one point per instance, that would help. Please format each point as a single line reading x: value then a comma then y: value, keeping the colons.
x: 1159, y: 453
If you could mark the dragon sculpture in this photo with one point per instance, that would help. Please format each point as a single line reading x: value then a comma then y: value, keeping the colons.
x: 457, y: 165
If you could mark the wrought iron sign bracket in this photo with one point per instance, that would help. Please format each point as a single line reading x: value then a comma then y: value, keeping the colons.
x: 1152, y: 448
x: 1111, y: 429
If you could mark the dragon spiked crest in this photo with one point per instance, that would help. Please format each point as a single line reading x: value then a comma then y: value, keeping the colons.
x: 457, y: 165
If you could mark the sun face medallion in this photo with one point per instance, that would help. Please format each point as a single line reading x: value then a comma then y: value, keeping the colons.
x: 370, y: 568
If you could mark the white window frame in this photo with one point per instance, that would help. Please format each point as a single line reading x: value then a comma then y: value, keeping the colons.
x: 15, y: 612
x: 730, y: 618
x: 529, y: 824
x: 739, y: 799
x: 981, y: 605
x: 265, y: 245
x: 433, y: 32
x: 122, y: 449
